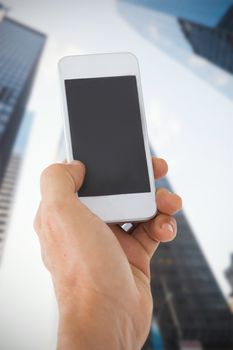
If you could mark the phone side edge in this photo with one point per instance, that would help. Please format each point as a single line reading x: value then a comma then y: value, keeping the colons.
x: 65, y: 115
x: 145, y: 132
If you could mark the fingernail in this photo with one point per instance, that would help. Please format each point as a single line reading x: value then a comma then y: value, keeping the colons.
x: 75, y: 162
x: 162, y: 189
x: 167, y: 227
x: 78, y: 162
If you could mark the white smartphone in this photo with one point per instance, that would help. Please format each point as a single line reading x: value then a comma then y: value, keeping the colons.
x: 105, y: 128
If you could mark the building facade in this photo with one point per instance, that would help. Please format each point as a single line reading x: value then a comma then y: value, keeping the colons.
x: 214, y: 44
x: 189, y: 306
x: 7, y: 191
x: 206, y: 25
x: 208, y: 12
x: 21, y: 47
x: 8, y: 185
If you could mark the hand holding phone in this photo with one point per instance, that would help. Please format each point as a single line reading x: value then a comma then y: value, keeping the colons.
x: 105, y: 128
x: 101, y: 275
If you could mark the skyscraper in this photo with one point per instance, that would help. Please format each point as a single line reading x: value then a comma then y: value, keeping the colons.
x: 214, y: 44
x: 208, y: 12
x: 20, y: 47
x: 207, y: 26
x: 6, y: 194
x: 9, y: 180
x: 188, y: 303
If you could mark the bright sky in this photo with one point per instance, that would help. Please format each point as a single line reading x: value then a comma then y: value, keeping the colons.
x: 189, y: 122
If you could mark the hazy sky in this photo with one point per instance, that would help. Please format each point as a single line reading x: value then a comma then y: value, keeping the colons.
x: 190, y: 124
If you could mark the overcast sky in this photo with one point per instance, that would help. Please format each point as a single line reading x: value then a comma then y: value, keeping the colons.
x: 190, y: 124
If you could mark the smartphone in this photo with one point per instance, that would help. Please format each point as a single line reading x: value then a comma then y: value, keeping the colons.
x: 105, y: 128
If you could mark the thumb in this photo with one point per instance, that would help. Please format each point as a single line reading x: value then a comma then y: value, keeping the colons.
x: 59, y: 181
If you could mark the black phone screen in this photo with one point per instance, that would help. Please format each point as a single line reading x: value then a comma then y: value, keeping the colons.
x: 106, y: 134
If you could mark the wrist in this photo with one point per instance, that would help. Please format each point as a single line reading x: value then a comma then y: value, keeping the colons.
x: 89, y: 320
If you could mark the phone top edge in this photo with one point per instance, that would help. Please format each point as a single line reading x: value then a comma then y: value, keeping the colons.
x: 89, y: 55
x: 100, y: 54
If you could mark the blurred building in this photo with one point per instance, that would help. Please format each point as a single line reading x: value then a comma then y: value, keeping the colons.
x: 226, y: 23
x: 188, y: 303
x: 214, y: 44
x: 8, y: 186
x: 206, y: 25
x: 207, y: 12
x: 20, y: 49
x: 7, y: 190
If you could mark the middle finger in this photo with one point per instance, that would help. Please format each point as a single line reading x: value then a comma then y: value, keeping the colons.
x: 167, y: 202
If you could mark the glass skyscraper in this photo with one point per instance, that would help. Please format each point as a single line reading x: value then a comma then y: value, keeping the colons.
x: 205, y: 12
x: 7, y: 190
x: 9, y: 180
x: 207, y: 25
x: 214, y: 44
x: 20, y: 49
x: 188, y: 303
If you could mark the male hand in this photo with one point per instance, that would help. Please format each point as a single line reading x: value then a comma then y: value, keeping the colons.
x: 101, y: 274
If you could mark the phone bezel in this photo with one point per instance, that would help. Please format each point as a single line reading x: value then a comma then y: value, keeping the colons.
x: 118, y: 208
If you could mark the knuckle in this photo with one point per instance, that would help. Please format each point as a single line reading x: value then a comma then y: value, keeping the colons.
x: 52, y: 170
x: 51, y: 212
